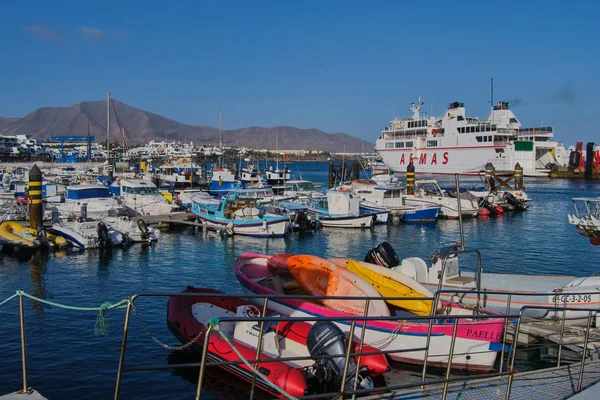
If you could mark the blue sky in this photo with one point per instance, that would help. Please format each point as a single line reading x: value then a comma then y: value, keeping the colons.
x: 339, y: 66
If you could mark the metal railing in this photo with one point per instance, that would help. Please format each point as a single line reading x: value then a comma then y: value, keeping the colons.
x: 356, y: 322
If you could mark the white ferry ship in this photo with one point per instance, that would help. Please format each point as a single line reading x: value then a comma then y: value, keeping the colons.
x: 455, y: 143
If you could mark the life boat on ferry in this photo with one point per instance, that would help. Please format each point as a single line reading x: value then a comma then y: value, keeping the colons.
x: 188, y: 317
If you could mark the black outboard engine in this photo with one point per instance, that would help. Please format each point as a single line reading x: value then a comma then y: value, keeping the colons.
x: 103, y: 236
x: 383, y: 255
x: 518, y: 204
x: 326, y: 339
x: 143, y: 227
x: 41, y: 231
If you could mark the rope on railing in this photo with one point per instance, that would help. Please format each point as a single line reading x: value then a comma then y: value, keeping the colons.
x: 100, y: 326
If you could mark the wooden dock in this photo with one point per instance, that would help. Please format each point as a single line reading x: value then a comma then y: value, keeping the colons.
x: 533, y: 330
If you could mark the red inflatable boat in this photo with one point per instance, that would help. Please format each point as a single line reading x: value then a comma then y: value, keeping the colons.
x: 187, y: 316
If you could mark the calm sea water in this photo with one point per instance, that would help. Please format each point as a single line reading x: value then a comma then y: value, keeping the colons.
x: 66, y: 360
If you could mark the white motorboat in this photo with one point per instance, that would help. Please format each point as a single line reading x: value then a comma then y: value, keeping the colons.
x: 94, y: 201
x: 428, y: 192
x: 142, y: 197
x: 496, y: 290
x: 343, y: 211
x: 134, y: 230
x: 88, y: 234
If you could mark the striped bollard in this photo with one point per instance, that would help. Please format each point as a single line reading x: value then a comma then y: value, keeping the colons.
x: 410, y: 178
x: 518, y: 176
x: 35, y: 197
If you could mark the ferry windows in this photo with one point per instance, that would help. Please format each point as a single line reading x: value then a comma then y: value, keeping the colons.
x: 479, y: 138
x: 460, y: 118
x: 399, y: 144
x: 409, y: 144
x: 389, y: 145
x: 494, y: 127
x: 432, y: 143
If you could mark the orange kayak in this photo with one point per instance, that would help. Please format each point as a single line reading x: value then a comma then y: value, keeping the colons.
x: 321, y: 277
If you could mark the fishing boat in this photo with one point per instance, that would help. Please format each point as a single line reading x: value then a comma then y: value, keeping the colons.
x: 342, y: 210
x: 277, y: 177
x: 240, y: 213
x: 587, y: 218
x: 238, y: 337
x: 374, y: 197
x: 303, y: 190
x: 445, y: 273
x: 427, y: 192
x: 222, y: 178
x: 455, y: 143
x: 475, y: 345
x: 96, y: 201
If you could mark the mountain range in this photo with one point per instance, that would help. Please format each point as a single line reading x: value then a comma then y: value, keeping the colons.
x: 141, y: 127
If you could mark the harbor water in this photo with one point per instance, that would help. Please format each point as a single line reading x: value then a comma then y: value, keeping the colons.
x: 67, y: 360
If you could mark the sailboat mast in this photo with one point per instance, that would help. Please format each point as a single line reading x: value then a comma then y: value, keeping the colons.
x: 220, y: 128
x: 108, y: 125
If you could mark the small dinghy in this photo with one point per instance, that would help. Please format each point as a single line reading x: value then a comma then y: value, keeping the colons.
x: 475, y: 345
x: 188, y: 316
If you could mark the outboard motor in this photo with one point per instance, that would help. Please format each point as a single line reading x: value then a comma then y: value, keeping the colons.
x: 327, y: 339
x: 41, y: 231
x: 518, y: 204
x: 103, y: 235
x: 383, y: 255
x: 143, y: 227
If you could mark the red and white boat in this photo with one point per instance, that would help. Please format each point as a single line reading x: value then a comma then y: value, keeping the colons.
x: 476, y: 343
x: 188, y: 316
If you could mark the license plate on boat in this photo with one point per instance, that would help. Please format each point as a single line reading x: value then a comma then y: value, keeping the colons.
x: 572, y: 298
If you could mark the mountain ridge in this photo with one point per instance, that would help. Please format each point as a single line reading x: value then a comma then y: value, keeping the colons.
x: 142, y: 126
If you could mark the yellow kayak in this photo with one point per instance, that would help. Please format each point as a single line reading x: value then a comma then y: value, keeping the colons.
x: 390, y: 283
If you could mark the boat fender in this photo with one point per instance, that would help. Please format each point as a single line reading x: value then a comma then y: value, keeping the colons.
x: 327, y: 339
x: 143, y: 227
x: 103, y: 235
x: 383, y: 255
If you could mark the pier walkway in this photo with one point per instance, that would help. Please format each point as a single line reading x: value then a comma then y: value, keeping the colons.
x: 552, y: 383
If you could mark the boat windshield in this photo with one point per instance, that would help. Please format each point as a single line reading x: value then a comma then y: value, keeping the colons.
x: 141, y: 190
x: 301, y: 187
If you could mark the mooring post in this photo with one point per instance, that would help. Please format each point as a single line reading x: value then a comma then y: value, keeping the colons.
x: 518, y: 176
x: 410, y: 178
x: 35, y: 197
x: 589, y: 162
x: 490, y: 171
